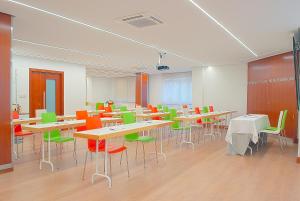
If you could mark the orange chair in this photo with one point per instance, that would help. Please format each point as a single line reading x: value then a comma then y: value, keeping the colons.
x: 20, y: 133
x: 95, y: 123
x: 81, y: 115
x: 155, y: 110
x: 108, y: 109
x: 198, y: 111
x: 149, y: 106
x: 100, y: 107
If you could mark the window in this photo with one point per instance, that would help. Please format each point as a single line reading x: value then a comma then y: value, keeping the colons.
x: 177, y: 91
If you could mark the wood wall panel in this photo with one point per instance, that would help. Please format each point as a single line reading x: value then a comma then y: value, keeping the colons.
x: 5, y: 117
x: 272, y: 87
x: 141, y: 94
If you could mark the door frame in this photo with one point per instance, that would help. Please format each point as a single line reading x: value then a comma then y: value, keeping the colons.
x: 60, y: 73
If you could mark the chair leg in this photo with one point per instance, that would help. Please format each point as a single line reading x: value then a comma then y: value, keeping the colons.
x: 86, y: 155
x: 22, y: 144
x: 110, y: 166
x: 156, y: 151
x: 121, y: 156
x: 144, y: 155
x: 127, y: 163
x: 75, y: 152
x: 136, y: 149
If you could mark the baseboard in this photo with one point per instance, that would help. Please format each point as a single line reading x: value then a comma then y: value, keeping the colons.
x: 298, y: 160
x: 6, y: 168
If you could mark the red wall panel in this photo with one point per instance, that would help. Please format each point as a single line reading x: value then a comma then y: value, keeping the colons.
x: 272, y: 87
x: 5, y: 46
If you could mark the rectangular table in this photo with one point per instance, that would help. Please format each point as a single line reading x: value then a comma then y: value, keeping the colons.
x: 117, y: 131
x: 72, y: 124
x: 189, y: 119
x: 243, y: 130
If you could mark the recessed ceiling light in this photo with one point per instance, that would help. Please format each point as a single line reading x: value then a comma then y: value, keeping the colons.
x: 223, y: 27
x: 103, y: 30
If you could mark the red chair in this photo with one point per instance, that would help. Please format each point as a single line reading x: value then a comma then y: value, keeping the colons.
x: 95, y: 123
x: 198, y: 111
x: 108, y: 109
x: 211, y: 108
x: 81, y: 115
x: 20, y: 133
x: 155, y: 110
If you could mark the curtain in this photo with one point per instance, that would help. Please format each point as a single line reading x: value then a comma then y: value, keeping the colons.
x: 177, y: 91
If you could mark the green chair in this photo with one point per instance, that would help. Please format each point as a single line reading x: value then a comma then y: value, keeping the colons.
x: 165, y: 108
x: 123, y: 108
x: 176, y: 125
x: 99, y: 103
x: 55, y: 135
x: 159, y: 106
x: 129, y: 118
x: 113, y: 107
x: 279, y: 130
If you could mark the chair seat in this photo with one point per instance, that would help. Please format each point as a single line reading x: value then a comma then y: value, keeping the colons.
x: 272, y: 132
x: 145, y: 139
x: 23, y: 133
x: 111, y: 149
x: 271, y: 128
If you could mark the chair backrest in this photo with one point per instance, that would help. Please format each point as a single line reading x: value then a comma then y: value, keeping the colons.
x: 129, y: 118
x: 197, y: 110
x: 123, y: 108
x: 50, y: 117
x: 99, y: 106
x: 39, y: 112
x: 160, y: 106
x: 154, y: 110
x: 173, y: 114
x: 282, y: 126
x: 108, y: 109
x: 205, y: 109
x: 166, y: 108
x: 18, y: 127
x: 82, y: 114
x: 113, y: 106
x: 280, y: 119
x: 149, y: 106
x: 94, y: 123
x: 211, y: 108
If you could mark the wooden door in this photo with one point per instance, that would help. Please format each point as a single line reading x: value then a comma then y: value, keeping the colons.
x: 39, y: 90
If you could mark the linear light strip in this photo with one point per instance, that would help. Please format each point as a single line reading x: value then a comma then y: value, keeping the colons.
x: 223, y: 27
x: 103, y: 30
x: 59, y: 48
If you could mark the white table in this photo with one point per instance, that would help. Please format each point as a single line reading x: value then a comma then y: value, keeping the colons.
x: 72, y: 124
x: 117, y: 131
x: 189, y: 119
x: 248, y: 128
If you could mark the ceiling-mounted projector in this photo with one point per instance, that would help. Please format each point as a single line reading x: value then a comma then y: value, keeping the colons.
x: 159, y: 66
x: 162, y: 67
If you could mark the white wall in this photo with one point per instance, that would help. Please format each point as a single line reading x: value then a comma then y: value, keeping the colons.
x: 156, y: 83
x: 120, y: 90
x: 224, y: 87
x: 74, y: 82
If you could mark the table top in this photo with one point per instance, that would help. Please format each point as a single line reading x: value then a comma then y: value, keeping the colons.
x: 120, y: 130
x: 64, y: 124
x: 59, y: 118
x: 149, y: 115
x: 247, y: 124
x: 206, y: 115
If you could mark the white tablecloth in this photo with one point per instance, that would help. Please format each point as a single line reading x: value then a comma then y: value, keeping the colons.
x: 248, y: 124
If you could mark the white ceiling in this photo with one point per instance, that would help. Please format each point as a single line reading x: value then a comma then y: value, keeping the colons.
x: 265, y: 26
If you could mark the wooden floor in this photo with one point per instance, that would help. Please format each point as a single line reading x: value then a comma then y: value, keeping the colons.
x: 207, y: 174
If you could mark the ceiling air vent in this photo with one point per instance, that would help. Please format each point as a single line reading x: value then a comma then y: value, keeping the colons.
x: 141, y: 20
